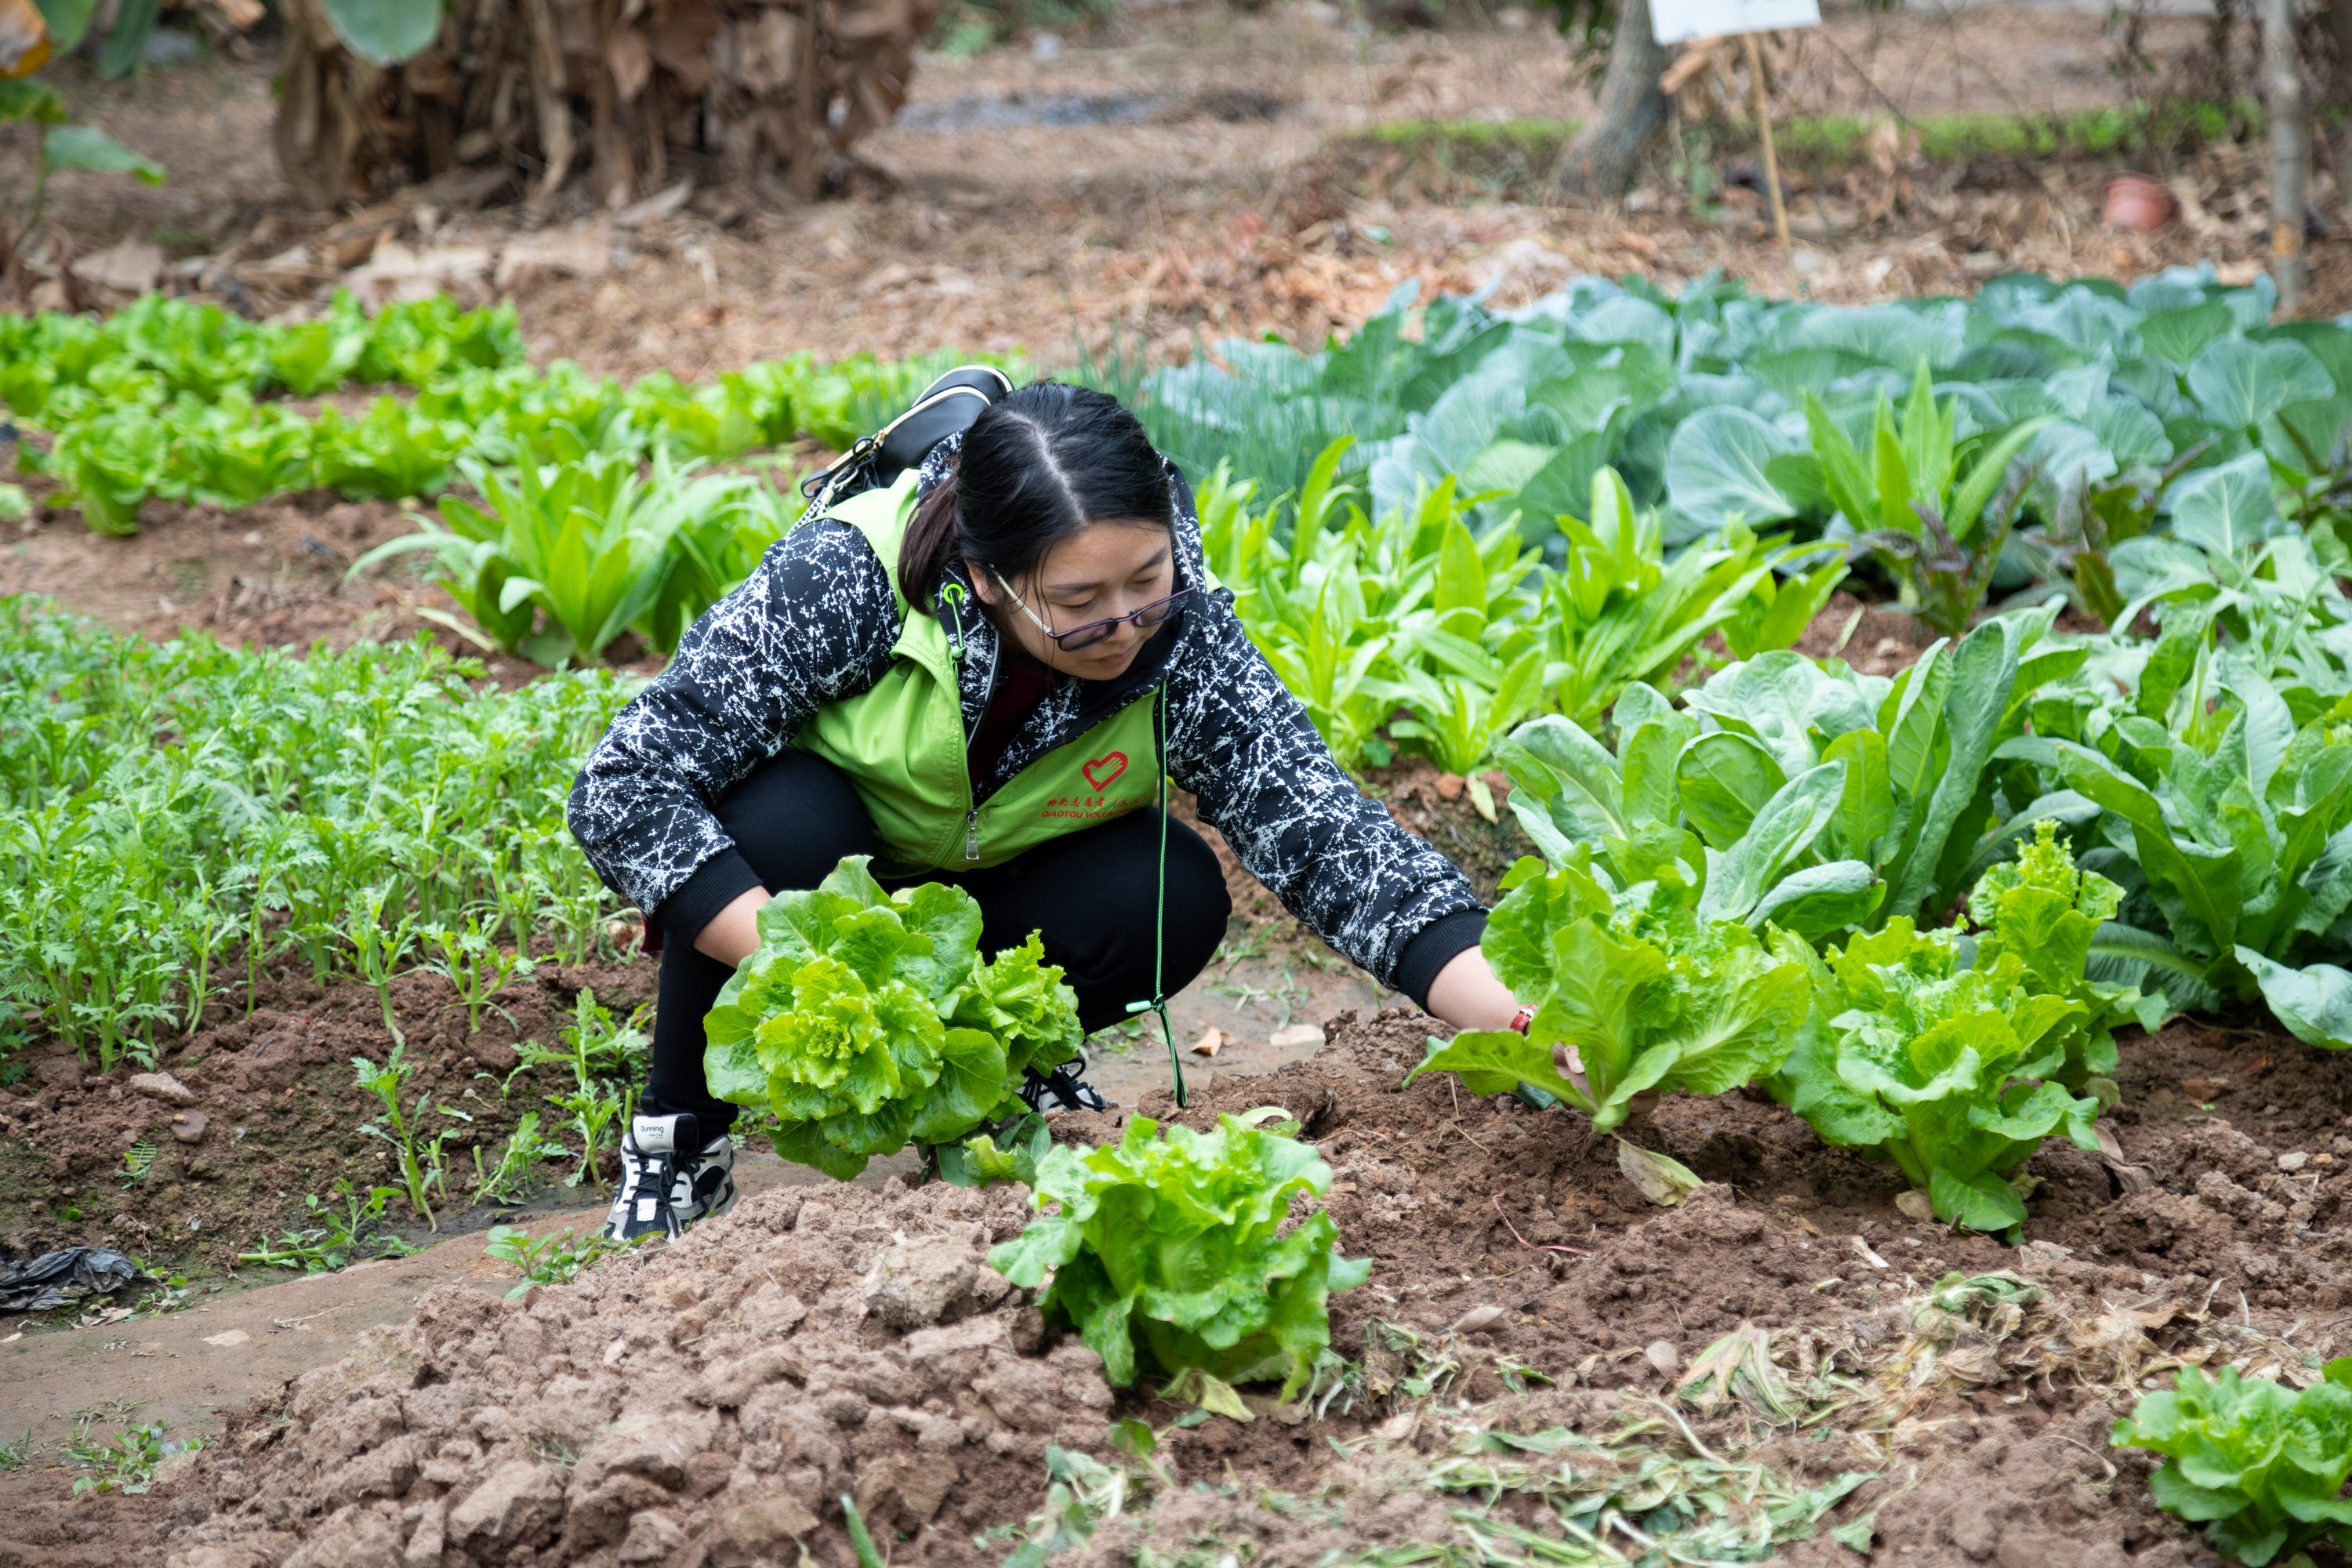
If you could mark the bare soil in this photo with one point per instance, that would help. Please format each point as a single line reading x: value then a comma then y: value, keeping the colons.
x: 274, y: 1113
x: 709, y: 1404
x: 1189, y: 169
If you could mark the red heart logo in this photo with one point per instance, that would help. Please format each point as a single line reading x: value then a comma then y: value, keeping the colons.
x: 1112, y: 766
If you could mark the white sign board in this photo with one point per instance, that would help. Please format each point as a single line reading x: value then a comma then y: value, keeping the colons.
x: 1672, y: 21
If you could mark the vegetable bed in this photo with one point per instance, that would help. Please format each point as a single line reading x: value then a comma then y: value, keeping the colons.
x: 1783, y: 1365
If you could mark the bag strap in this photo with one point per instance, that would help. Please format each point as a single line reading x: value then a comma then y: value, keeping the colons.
x: 946, y: 408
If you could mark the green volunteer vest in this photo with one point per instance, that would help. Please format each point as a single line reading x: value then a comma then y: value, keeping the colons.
x: 903, y: 745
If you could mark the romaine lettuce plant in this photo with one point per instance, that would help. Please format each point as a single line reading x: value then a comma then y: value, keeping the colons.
x: 2221, y: 802
x: 1803, y: 793
x: 1648, y: 996
x: 2042, y: 908
x: 2259, y: 1466
x: 1169, y: 1251
x: 866, y: 1020
x: 1949, y: 1072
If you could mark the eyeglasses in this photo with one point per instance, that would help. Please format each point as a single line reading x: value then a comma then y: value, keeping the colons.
x: 1154, y: 614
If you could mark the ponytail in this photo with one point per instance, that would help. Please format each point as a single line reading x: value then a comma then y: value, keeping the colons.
x: 930, y: 547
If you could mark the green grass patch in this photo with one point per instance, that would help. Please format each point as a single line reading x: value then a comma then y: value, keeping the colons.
x: 1498, y: 153
x: 1527, y: 135
x: 1842, y: 138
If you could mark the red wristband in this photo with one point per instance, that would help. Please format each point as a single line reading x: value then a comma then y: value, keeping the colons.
x: 1522, y: 1018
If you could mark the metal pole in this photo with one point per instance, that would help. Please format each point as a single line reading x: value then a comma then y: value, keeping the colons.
x: 2289, y: 130
x: 1764, y: 128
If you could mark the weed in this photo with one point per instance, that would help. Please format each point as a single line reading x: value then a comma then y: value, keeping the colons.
x: 16, y: 1456
x: 137, y: 1161
x: 123, y: 1460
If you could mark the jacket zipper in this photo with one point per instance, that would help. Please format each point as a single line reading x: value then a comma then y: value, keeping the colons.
x: 970, y: 791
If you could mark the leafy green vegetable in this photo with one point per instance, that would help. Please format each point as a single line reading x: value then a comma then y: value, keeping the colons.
x: 2258, y: 1465
x: 1949, y: 1072
x: 1472, y: 632
x: 1647, y: 997
x: 1915, y: 498
x: 2225, y: 813
x: 1168, y: 1251
x: 1809, y: 795
x: 2046, y: 912
x: 866, y: 1020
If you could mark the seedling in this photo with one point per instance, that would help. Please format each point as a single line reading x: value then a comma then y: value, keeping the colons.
x: 476, y: 966
x: 604, y: 1057
x: 551, y: 1259
x: 509, y: 1181
x: 379, y: 950
x: 338, y: 1237
x: 421, y: 1164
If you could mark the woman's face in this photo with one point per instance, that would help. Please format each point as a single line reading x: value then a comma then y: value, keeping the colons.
x: 1110, y: 569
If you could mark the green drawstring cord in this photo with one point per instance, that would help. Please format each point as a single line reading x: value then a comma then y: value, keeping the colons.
x: 1159, y: 1002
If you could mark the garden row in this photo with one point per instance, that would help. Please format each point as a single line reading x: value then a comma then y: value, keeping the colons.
x: 183, y: 401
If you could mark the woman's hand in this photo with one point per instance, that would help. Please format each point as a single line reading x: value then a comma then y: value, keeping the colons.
x: 733, y: 933
x: 1466, y: 995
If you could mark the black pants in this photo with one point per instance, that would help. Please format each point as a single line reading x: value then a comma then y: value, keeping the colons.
x: 1090, y: 895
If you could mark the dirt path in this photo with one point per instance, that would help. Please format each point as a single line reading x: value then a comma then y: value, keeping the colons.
x: 187, y: 1367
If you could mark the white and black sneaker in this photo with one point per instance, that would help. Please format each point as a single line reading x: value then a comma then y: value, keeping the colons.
x: 1066, y: 1084
x: 670, y: 1178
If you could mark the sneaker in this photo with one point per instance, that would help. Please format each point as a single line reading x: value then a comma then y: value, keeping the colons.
x: 670, y: 1178
x: 1068, y: 1086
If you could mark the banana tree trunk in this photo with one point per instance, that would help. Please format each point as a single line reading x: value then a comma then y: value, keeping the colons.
x: 549, y: 89
x: 1603, y: 159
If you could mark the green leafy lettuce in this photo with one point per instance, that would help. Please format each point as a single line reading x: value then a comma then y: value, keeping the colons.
x: 1810, y: 795
x: 2043, y: 909
x: 1169, y: 1251
x: 1647, y: 995
x: 2257, y: 1464
x: 1949, y: 1072
x: 866, y: 1020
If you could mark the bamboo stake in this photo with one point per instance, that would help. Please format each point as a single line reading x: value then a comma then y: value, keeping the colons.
x: 1772, y: 157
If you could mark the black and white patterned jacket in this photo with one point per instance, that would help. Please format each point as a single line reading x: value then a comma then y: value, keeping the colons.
x: 816, y: 624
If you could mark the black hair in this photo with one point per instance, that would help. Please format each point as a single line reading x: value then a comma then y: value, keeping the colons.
x: 1043, y: 465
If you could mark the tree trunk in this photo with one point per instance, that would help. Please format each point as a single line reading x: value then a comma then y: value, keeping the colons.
x: 1601, y: 160
x: 2290, y: 131
x: 547, y: 88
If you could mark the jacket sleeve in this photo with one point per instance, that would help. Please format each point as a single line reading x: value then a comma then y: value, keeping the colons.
x: 813, y: 623
x: 1243, y: 744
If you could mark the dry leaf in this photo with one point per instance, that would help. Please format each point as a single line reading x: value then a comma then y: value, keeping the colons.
x: 1664, y: 1180
x: 23, y: 40
x: 133, y: 267
x: 1210, y: 1043
x: 1917, y: 1206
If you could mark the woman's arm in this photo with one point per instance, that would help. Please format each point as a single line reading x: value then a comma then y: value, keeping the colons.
x: 813, y: 623
x: 1242, y: 744
x: 1466, y: 995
